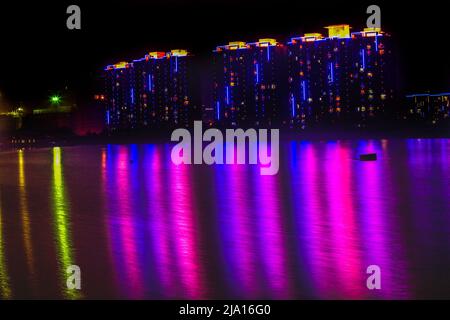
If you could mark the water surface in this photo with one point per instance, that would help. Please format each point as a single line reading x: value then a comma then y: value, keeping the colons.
x: 140, y: 227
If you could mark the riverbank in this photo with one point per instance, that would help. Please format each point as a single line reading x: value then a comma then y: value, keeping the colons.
x: 163, y: 136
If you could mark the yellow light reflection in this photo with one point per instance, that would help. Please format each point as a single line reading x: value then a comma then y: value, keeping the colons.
x: 62, y: 231
x: 25, y: 216
x: 5, y: 290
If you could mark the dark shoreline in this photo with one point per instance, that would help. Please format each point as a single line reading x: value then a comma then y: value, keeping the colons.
x: 164, y: 137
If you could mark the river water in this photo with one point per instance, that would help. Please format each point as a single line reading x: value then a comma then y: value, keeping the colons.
x: 140, y: 227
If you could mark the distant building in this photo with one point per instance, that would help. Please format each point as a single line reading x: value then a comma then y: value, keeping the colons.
x: 433, y: 108
x: 152, y: 73
x: 150, y: 92
x: 51, y: 119
x: 11, y: 121
x: 346, y: 77
x: 248, y: 83
x: 342, y: 76
x: 232, y: 90
x: 120, y: 96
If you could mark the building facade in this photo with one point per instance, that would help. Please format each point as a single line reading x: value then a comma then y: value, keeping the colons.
x: 248, y: 83
x: 431, y: 108
x: 342, y: 77
x: 152, y: 92
x: 120, y: 96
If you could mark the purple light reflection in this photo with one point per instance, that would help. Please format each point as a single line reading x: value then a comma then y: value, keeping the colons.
x: 271, y: 235
x: 236, y: 232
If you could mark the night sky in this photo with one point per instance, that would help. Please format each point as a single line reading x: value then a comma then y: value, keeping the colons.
x: 40, y: 56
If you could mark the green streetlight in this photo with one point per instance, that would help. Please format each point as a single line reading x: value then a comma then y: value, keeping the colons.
x: 55, y: 99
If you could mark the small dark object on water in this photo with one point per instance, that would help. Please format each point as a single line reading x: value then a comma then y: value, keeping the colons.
x: 368, y: 157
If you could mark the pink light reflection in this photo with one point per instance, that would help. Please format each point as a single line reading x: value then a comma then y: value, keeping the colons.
x: 349, y: 271
x: 184, y: 232
x: 126, y: 227
x: 271, y: 232
x: 159, y: 225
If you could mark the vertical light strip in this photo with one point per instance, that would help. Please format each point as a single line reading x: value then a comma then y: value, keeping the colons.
x: 132, y: 95
x: 257, y: 72
x: 126, y: 237
x: 375, y: 223
x: 25, y: 215
x: 304, y: 90
x: 218, y: 109
x: 363, y: 58
x: 5, y: 289
x: 343, y: 222
x: 106, y: 164
x: 62, y: 231
x: 159, y: 224
x: 227, y: 94
x: 310, y: 214
x: 271, y: 236
x: 185, y: 232
x: 331, y: 66
x: 237, y: 236
x: 293, y: 105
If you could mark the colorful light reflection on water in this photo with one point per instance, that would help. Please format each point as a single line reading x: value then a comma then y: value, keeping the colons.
x: 196, y: 232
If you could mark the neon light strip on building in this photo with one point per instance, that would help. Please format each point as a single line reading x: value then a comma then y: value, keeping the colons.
x: 293, y: 105
x: 218, y: 109
x: 428, y: 95
x: 331, y: 66
x: 304, y: 90
x: 257, y: 72
x: 363, y: 57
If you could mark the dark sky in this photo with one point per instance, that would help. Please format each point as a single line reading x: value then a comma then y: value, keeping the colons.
x: 39, y: 56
